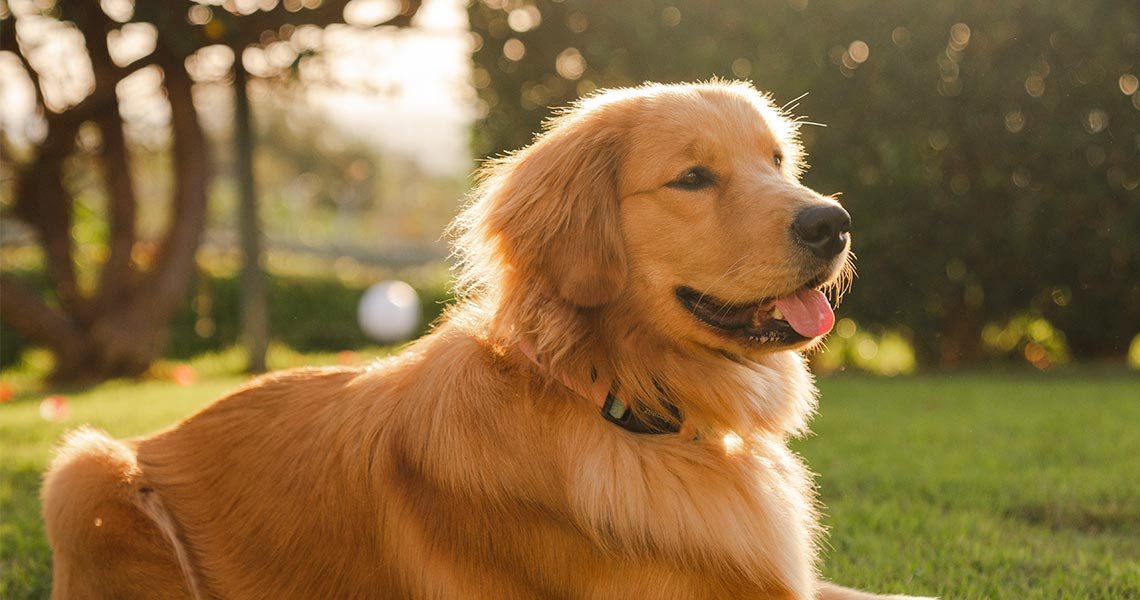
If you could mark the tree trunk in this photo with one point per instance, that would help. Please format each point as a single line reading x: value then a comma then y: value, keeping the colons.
x: 121, y: 329
x: 254, y: 309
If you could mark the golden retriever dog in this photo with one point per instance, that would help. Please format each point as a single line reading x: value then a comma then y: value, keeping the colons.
x: 603, y: 414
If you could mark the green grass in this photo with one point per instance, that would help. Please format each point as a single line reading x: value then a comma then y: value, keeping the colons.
x: 966, y: 486
x: 973, y: 486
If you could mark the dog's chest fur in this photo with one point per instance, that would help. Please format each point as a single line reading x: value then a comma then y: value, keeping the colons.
x: 620, y: 517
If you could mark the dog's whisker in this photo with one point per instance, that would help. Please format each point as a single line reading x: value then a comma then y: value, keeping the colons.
x: 794, y: 101
x: 726, y: 273
x: 838, y: 287
x: 740, y: 296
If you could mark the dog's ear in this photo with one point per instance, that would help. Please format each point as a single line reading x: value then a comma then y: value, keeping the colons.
x: 554, y: 209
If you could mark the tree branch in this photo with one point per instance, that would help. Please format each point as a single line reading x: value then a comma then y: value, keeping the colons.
x: 163, y: 286
x: 247, y: 29
x: 166, y: 281
x: 43, y: 203
x: 42, y: 200
x: 117, y: 275
x: 27, y: 313
x: 9, y: 42
x: 115, y: 278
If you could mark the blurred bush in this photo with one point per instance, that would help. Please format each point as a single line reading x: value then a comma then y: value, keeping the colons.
x: 1030, y: 336
x: 988, y: 151
x: 309, y: 314
x: 850, y: 346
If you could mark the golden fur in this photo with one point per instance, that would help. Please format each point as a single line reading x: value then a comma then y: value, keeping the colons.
x: 459, y: 468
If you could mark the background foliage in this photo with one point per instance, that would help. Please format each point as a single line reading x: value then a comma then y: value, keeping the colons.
x: 988, y: 151
x: 311, y: 314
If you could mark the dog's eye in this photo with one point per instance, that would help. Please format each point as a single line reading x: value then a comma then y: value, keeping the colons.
x: 693, y: 179
x: 777, y: 159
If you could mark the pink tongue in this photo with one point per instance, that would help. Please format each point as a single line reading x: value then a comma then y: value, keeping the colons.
x: 808, y: 312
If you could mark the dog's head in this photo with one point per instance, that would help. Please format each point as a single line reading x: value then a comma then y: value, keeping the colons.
x: 679, y: 204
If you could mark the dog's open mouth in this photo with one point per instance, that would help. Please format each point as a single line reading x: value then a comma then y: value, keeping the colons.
x: 801, y: 315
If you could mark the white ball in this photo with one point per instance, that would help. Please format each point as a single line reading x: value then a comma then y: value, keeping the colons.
x: 389, y: 311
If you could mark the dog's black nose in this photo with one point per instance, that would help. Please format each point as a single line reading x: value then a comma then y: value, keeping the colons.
x: 823, y: 229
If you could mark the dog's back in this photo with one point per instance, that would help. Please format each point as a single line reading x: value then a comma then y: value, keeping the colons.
x: 106, y: 501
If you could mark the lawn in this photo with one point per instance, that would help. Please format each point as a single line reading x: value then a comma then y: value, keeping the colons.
x: 967, y: 486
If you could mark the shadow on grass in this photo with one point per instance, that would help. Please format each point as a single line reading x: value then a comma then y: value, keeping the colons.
x: 1106, y: 516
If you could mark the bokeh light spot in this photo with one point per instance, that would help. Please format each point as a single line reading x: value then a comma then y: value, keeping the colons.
x: 1096, y: 121
x: 938, y: 139
x: 1062, y: 295
x: 900, y: 36
x: 514, y: 49
x: 867, y: 349
x: 742, y: 67
x: 1014, y: 121
x: 54, y: 409
x: 524, y: 19
x: 184, y: 375
x: 577, y: 22
x: 959, y: 36
x: 570, y: 64
x: 1021, y: 178
x: 955, y: 269
x: 1129, y: 84
x: 1134, y: 353
x: 199, y: 14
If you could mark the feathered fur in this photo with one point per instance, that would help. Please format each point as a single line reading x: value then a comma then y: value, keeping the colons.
x: 460, y: 469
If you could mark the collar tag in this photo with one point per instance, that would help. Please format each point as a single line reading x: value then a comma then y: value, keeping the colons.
x: 616, y: 412
x: 612, y: 408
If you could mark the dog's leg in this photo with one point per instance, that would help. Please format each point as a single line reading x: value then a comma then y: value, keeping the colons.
x: 103, y: 546
x: 830, y: 591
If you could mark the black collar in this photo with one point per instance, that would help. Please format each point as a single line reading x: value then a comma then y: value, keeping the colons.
x: 612, y: 408
x: 615, y: 411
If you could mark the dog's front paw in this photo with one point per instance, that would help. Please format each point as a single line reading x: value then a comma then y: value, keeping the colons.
x: 830, y: 591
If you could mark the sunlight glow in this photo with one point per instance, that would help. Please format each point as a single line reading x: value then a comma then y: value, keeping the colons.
x: 405, y: 92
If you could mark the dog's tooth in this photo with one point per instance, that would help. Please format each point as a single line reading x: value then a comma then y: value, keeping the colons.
x: 776, y: 314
